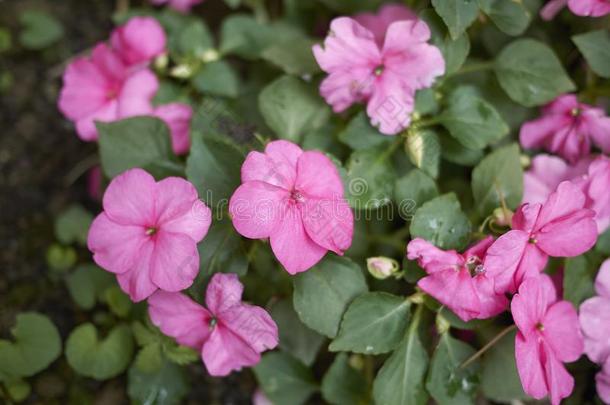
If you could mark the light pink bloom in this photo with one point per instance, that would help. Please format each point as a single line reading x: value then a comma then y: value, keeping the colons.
x: 548, y: 337
x: 148, y: 233
x: 177, y: 116
x: 568, y: 128
x: 183, y: 6
x: 458, y: 281
x: 603, y: 382
x: 378, y: 23
x: 384, y: 77
x: 585, y: 8
x: 561, y: 227
x: 229, y: 333
x: 595, y: 318
x: 102, y: 88
x: 139, y: 41
x: 295, y: 199
x: 596, y: 186
x: 552, y: 8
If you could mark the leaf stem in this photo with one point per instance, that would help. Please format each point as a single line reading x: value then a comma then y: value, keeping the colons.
x: 488, y: 346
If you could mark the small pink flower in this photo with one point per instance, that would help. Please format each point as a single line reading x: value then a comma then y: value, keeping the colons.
x: 139, y: 41
x: 585, y: 8
x: 385, y: 77
x: 595, y: 318
x: 568, y: 128
x: 148, y: 233
x: 548, y: 337
x: 603, y: 382
x: 229, y: 333
x: 177, y: 116
x: 596, y: 186
x: 295, y: 199
x: 183, y: 6
x: 561, y: 227
x: 458, y: 281
x: 379, y: 23
x: 102, y: 88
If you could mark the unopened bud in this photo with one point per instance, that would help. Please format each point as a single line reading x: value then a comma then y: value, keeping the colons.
x: 502, y: 216
x: 181, y: 72
x: 210, y: 55
x: 382, y: 267
x: 161, y: 62
x: 525, y: 161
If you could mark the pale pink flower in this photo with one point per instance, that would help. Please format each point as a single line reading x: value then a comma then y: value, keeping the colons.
x: 384, y: 77
x: 458, y: 281
x: 148, y: 233
x: 585, y: 8
x: 177, y: 116
x: 568, y: 128
x: 102, y: 88
x: 596, y: 186
x: 387, y: 14
x: 603, y: 382
x: 595, y: 318
x: 228, y: 333
x: 183, y: 6
x: 139, y: 40
x: 548, y: 337
x: 295, y: 199
x: 561, y: 227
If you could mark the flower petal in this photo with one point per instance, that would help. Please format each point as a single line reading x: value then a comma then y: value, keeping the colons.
x: 130, y: 198
x: 431, y: 258
x: 277, y: 166
x: 225, y: 352
x: 256, y: 208
x: 135, y: 97
x: 455, y: 289
x: 318, y: 177
x: 529, y: 366
x: 595, y: 325
x: 224, y: 291
x: 175, y: 261
x: 177, y: 116
x: 530, y: 304
x: 137, y: 282
x: 329, y: 223
x: 562, y: 331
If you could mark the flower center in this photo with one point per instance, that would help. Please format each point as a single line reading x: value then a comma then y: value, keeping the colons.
x: 533, y: 240
x: 296, y: 196
x: 575, y: 112
x: 150, y: 231
x: 474, y: 266
x: 212, y: 323
x: 378, y: 70
x: 540, y: 327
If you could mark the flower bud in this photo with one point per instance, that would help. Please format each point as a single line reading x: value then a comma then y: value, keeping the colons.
x: 210, y: 55
x: 382, y: 267
x: 181, y: 72
x: 161, y: 62
x: 502, y: 216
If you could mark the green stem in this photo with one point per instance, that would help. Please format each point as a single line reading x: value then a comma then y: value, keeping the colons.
x: 430, y: 122
x: 488, y: 346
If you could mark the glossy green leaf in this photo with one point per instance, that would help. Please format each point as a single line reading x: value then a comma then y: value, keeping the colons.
x: 72, y: 225
x: 343, y: 385
x: 360, y: 134
x: 579, y: 277
x: 595, y: 46
x: 455, y: 51
x: 413, y: 190
x: 222, y: 250
x: 217, y: 78
x: 166, y: 386
x: 285, y: 380
x: 293, y: 56
x: 511, y: 17
x: 118, y: 302
x: 39, y: 29
x: 88, y: 282
x: 195, y: 38
x: 458, y: 15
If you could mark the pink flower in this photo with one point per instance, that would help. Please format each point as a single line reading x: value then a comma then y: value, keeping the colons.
x: 139, y: 41
x: 148, y: 233
x: 561, y: 227
x: 385, y: 77
x: 229, y: 333
x: 102, y: 88
x: 378, y: 23
x: 603, y: 382
x: 259, y: 398
x: 595, y: 318
x: 458, y: 281
x: 568, y: 128
x: 548, y: 337
x: 596, y: 187
x: 585, y: 8
x: 183, y: 6
x: 177, y: 116
x: 295, y: 199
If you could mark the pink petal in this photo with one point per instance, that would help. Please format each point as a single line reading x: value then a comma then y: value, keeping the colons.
x: 224, y: 291
x: 256, y: 208
x: 139, y: 40
x: 277, y: 166
x: 318, y: 177
x: 529, y: 306
x: 137, y: 282
x: 560, y: 382
x: 129, y: 199
x: 431, y: 258
x: 455, y: 289
x: 562, y: 105
x: 536, y: 133
x: 391, y: 103
x: 562, y: 332
x: 180, y: 317
x: 589, y: 8
x: 84, y: 89
x: 177, y: 116
x: 225, y: 352
x: 328, y: 222
x: 595, y: 325
x: 544, y: 176
x: 602, y: 281
x: 598, y: 127
x: 179, y: 210
x: 135, y: 97
x: 115, y: 247
x: 109, y: 62
x: 598, y: 193
x: 529, y: 366
x: 503, y: 259
x: 252, y: 324
x: 603, y: 383
x: 387, y: 14
x: 491, y: 304
x: 571, y: 142
x: 479, y: 249
x: 175, y: 261
x: 552, y: 8
x: 294, y: 249
x: 342, y: 88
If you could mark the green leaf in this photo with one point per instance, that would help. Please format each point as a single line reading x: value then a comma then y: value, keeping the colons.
x: 284, y: 380
x: 511, y: 17
x: 18, y: 390
x: 101, y: 360
x: 72, y: 225
x: 149, y: 359
x: 603, y: 243
x: 530, y: 73
x: 86, y: 283
x: 293, y: 56
x: 374, y: 323
x: 446, y: 382
x: 217, y: 78
x: 595, y: 46
x: 455, y: 51
x: 453, y: 151
x: 442, y: 222
x: 194, y: 38
x: 401, y: 379
x: 137, y: 142
x: 213, y: 166
x: 370, y: 178
x: 60, y: 258
x: 498, y: 176
x: 499, y: 379
x: 222, y: 250
x: 343, y: 385
x: 39, y: 29
x: 457, y: 14
x: 295, y: 338
x: 322, y: 294
x: 412, y: 190
x: 167, y: 386
x: 291, y: 108
x: 360, y: 134
x: 424, y: 151
x: 36, y: 345
x: 118, y: 302
x: 579, y: 278
x: 471, y: 120
x: 181, y: 355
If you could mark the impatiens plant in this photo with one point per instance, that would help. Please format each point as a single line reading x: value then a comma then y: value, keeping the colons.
x: 333, y: 201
